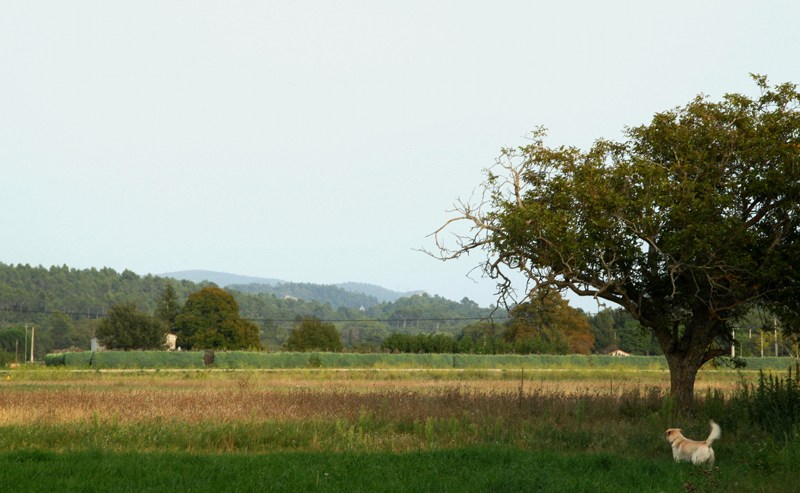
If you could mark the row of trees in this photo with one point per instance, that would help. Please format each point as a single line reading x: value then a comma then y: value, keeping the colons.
x: 208, y: 320
x: 78, y: 293
x: 334, y: 296
x: 545, y: 324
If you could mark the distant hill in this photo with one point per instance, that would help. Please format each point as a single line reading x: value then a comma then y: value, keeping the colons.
x: 381, y: 294
x: 221, y: 279
x: 333, y: 295
x: 373, y: 294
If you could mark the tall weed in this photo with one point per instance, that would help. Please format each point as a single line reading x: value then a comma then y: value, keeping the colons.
x: 773, y: 403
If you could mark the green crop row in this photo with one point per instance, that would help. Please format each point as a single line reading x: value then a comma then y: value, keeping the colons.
x: 290, y: 360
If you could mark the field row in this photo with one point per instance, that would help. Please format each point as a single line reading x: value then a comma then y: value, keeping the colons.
x: 266, y: 360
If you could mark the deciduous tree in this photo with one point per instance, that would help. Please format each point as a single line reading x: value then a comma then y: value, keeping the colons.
x: 686, y: 223
x: 547, y: 324
x: 210, y: 320
x: 125, y: 327
x: 311, y: 334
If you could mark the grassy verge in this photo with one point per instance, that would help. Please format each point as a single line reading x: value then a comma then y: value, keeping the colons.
x: 497, y: 469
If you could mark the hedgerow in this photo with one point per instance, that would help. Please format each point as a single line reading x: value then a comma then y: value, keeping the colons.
x: 293, y: 360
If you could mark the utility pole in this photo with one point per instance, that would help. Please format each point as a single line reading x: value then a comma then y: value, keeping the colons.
x: 776, y: 343
x: 775, y: 326
x: 33, y: 327
x: 25, y: 350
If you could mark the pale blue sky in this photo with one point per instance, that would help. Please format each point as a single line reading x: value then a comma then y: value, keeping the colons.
x: 319, y: 141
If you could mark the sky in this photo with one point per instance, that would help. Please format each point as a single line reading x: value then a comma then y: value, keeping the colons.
x: 323, y: 142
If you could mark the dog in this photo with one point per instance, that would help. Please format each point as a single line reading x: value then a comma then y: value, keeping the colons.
x: 695, y: 451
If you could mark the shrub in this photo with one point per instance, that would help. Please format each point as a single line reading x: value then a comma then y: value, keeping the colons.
x: 78, y: 360
x: 143, y: 359
x: 311, y: 334
x: 126, y: 327
x: 774, y: 403
x: 57, y: 359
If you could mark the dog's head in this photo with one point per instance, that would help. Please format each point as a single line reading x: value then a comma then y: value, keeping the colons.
x: 673, y: 434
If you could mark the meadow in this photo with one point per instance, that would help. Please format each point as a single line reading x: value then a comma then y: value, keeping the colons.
x: 378, y: 429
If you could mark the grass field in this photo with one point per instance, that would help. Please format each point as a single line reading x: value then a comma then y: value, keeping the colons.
x: 373, y: 430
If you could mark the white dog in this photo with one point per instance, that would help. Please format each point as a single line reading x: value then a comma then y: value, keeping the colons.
x: 684, y: 449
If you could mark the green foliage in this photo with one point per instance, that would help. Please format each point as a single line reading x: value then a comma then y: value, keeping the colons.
x: 146, y: 359
x: 78, y: 293
x: 544, y: 325
x: 57, y: 359
x: 547, y: 324
x: 484, y: 337
x: 65, y: 303
x: 287, y: 360
x: 774, y: 403
x: 12, y: 338
x: 687, y: 223
x: 334, y: 296
x: 431, y: 314
x: 210, y: 320
x: 617, y: 329
x: 126, y: 328
x: 168, y: 307
x: 311, y: 334
x: 61, y: 331
x: 419, y: 343
x: 79, y: 360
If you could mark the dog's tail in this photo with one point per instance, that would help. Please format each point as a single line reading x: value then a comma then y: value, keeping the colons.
x: 716, y: 432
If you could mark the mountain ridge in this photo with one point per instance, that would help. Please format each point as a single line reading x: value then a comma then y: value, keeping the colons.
x: 225, y: 279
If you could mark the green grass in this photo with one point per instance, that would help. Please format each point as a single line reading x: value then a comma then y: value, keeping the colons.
x: 380, y: 430
x: 488, y: 469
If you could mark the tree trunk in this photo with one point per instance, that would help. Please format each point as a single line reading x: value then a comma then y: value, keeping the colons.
x: 683, y: 368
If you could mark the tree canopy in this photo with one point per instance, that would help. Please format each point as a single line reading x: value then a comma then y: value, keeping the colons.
x: 311, y: 334
x: 168, y: 307
x: 125, y: 327
x: 686, y: 224
x: 210, y: 320
x: 547, y: 324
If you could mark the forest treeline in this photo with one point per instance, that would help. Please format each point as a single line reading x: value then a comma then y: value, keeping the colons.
x: 65, y: 306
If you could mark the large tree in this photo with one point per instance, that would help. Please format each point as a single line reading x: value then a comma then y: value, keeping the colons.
x: 686, y: 224
x: 168, y: 307
x: 125, y: 327
x: 210, y: 320
x: 312, y: 334
x: 547, y: 324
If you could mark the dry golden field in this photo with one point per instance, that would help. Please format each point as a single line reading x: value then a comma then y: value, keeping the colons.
x: 65, y: 396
